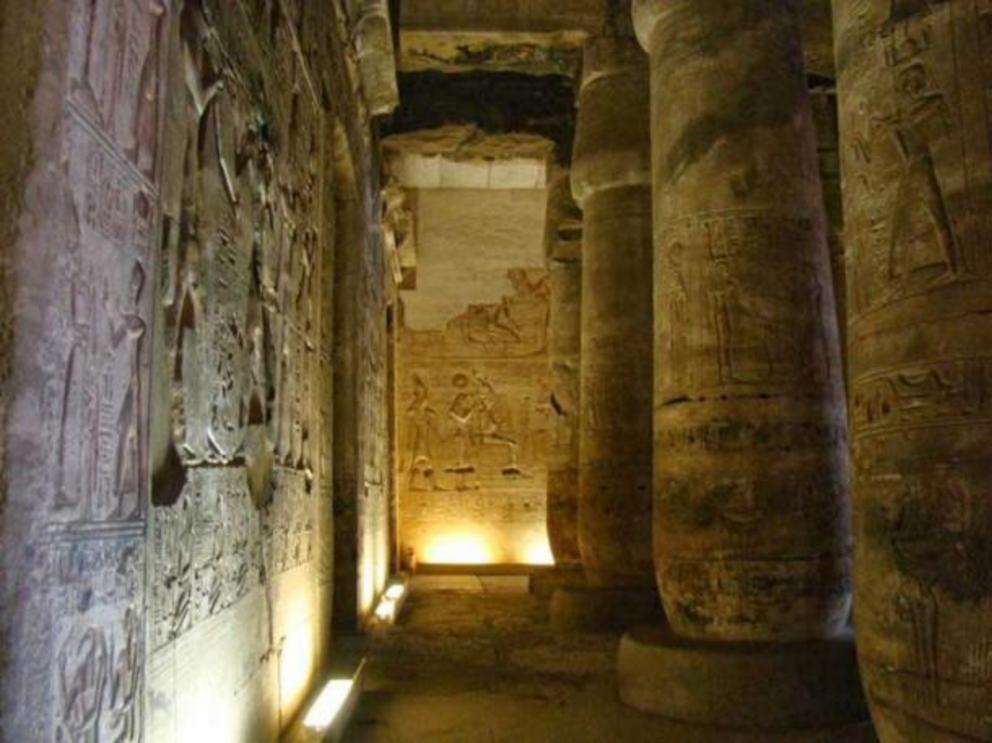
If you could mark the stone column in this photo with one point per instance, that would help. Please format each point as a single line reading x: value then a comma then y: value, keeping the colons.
x: 824, y: 103
x: 751, y: 535
x: 914, y: 81
x: 564, y: 339
x: 611, y: 182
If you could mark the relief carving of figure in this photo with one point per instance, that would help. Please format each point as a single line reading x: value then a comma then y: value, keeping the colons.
x: 519, y: 319
x: 77, y: 403
x: 480, y: 419
x: 422, y: 434
x: 941, y: 540
x: 462, y: 412
x: 127, y: 334
x: 923, y: 245
x: 125, y: 682
x: 765, y: 338
x: 118, y: 43
x: 210, y: 342
x: 82, y: 676
x: 678, y: 310
x: 746, y: 331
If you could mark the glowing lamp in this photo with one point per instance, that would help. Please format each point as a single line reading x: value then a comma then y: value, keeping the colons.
x: 389, y: 603
x: 458, y: 549
x: 295, y: 665
x: 386, y: 610
x: 538, y: 552
x: 328, y: 704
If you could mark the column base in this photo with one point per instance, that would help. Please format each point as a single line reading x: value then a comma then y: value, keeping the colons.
x: 585, y: 609
x: 742, y: 686
x: 893, y: 724
x: 544, y: 584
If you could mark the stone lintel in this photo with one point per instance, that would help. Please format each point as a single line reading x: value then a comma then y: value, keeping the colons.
x: 513, y: 16
x: 463, y: 157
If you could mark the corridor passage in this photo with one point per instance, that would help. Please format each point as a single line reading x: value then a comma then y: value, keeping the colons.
x: 634, y: 356
x: 474, y: 660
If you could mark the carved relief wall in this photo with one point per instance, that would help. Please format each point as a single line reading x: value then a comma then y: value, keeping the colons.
x: 82, y: 266
x: 472, y: 380
x: 235, y: 488
x: 167, y: 516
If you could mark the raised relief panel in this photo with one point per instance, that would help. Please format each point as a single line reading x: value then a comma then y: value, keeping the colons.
x: 472, y: 408
x: 515, y: 327
x: 289, y: 523
x: 472, y: 436
x: 242, y: 309
x: 116, y: 56
x: 95, y: 401
x: 726, y: 325
x: 914, y: 155
x: 206, y: 552
x: 79, y: 663
x: 98, y: 635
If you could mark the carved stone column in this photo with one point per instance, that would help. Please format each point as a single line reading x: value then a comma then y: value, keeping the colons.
x: 914, y: 81
x: 751, y: 535
x: 824, y: 103
x: 611, y: 182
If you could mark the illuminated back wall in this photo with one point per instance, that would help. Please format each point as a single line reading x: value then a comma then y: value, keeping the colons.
x: 472, y: 387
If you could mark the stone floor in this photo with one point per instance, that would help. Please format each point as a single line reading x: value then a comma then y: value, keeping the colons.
x: 474, y: 661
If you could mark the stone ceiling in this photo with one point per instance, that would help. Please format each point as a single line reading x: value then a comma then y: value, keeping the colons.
x: 536, y: 36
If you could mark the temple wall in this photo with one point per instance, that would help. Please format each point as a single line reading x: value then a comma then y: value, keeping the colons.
x: 80, y: 248
x: 361, y: 475
x: 168, y: 223
x: 472, y: 376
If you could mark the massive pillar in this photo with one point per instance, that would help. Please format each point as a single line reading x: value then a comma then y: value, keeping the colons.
x: 751, y: 534
x: 611, y: 182
x: 914, y: 81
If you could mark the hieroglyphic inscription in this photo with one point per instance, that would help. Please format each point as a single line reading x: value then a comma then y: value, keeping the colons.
x: 472, y: 408
x: 289, y: 524
x: 480, y: 507
x: 913, y: 155
x: 95, y: 415
x: 751, y: 474
x: 98, y: 640
x: 206, y: 551
x: 914, y: 90
x: 945, y: 393
x: 726, y: 324
x: 116, y: 56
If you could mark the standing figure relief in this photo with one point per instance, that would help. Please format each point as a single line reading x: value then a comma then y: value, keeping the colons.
x: 922, y: 240
x: 478, y: 435
x: 127, y: 336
